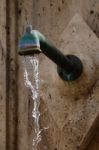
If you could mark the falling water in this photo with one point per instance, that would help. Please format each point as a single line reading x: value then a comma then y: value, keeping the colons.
x: 31, y: 79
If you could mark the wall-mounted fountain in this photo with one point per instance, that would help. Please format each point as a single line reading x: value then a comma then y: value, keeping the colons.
x: 71, y: 94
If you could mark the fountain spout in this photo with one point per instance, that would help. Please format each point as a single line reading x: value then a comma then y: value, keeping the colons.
x: 69, y: 67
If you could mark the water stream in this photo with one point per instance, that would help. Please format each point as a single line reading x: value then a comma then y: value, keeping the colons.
x: 32, y: 81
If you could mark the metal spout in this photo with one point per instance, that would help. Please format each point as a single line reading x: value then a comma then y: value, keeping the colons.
x: 33, y: 42
x: 29, y: 43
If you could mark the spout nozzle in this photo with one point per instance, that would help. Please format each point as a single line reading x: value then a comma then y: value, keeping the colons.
x: 29, y: 43
x: 29, y: 50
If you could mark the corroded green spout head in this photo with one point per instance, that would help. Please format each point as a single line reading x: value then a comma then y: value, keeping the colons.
x: 29, y: 43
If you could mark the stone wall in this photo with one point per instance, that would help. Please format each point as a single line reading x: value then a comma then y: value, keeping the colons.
x: 51, y: 18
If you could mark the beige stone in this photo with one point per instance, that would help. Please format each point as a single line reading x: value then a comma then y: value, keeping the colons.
x: 73, y: 106
x: 51, y: 18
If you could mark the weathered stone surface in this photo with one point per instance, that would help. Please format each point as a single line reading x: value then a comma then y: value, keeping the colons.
x: 3, y: 75
x: 73, y: 106
x: 94, y: 144
x: 90, y: 12
x: 51, y: 18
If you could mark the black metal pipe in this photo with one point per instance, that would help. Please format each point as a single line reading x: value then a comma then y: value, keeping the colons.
x: 56, y: 56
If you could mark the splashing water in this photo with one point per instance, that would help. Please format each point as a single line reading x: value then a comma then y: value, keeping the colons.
x: 31, y: 78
